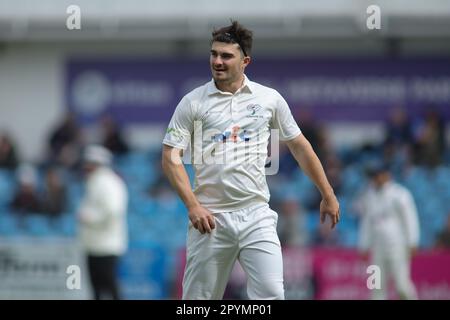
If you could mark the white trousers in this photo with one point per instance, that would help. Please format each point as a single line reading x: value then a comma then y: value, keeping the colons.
x: 249, y: 236
x: 394, y: 261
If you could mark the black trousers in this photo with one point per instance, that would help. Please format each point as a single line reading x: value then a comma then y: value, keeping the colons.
x: 103, y: 276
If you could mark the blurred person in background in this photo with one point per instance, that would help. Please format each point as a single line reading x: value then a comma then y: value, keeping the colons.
x: 26, y: 198
x: 443, y: 237
x: 161, y: 189
x: 311, y: 131
x: 54, y: 198
x: 398, y: 128
x: 389, y: 231
x: 291, y: 225
x: 65, y: 143
x: 8, y: 155
x: 112, y: 137
x: 333, y: 170
x: 398, y: 141
x: 429, y: 144
x: 103, y: 226
x: 316, y: 133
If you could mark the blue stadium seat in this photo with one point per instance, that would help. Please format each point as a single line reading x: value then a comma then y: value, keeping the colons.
x: 7, y: 188
x: 9, y: 224
x: 348, y: 237
x: 37, y: 225
x: 65, y: 225
x: 352, y: 180
x: 142, y: 204
x: 312, y: 221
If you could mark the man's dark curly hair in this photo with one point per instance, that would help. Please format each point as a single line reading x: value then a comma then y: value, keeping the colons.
x: 235, y: 33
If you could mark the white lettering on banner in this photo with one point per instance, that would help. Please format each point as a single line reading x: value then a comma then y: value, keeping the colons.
x: 368, y: 89
x: 32, y: 268
x: 91, y: 92
x: 353, y: 89
x: 142, y: 93
x: 73, y: 21
x: 337, y: 268
x: 432, y: 89
x: 435, y: 291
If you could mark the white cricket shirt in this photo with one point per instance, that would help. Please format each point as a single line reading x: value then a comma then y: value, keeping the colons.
x: 389, y: 218
x: 103, y: 211
x: 230, y: 135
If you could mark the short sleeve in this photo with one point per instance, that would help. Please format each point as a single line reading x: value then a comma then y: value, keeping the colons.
x: 284, y: 121
x: 179, y: 131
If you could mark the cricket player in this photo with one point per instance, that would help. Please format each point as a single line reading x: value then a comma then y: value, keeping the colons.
x: 229, y: 215
x: 390, y: 230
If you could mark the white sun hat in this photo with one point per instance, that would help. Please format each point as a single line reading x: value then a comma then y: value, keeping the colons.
x: 98, y: 154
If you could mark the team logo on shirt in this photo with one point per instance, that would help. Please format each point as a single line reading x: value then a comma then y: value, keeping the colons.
x: 254, y: 108
x: 235, y: 135
x: 175, y: 133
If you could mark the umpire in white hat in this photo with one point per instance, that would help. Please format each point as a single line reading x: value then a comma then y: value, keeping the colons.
x: 103, y: 226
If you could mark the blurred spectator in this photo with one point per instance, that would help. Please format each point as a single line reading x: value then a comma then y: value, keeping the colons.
x: 65, y: 143
x: 26, y: 199
x: 398, y: 128
x: 310, y: 129
x: 54, y: 196
x: 112, y: 137
x: 430, y: 140
x: 103, y: 224
x: 398, y: 141
x: 291, y: 223
x: 315, y: 135
x: 333, y: 170
x: 160, y: 189
x: 288, y: 165
x: 389, y: 231
x: 443, y: 238
x: 8, y: 156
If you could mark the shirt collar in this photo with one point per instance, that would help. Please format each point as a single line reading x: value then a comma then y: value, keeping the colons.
x: 247, y: 85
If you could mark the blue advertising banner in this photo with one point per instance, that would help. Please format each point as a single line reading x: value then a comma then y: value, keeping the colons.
x: 147, y: 90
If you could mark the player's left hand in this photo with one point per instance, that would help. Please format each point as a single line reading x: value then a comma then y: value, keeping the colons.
x: 330, y: 206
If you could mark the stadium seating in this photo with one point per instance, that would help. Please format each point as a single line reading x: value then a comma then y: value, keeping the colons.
x: 161, y: 222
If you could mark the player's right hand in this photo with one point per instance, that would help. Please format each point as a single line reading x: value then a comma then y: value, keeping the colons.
x: 330, y: 206
x: 202, y: 219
